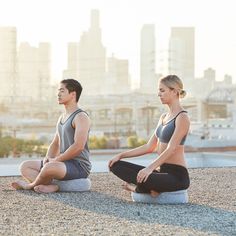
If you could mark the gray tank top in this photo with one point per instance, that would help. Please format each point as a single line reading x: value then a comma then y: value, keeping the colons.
x: 165, y: 131
x: 66, y: 133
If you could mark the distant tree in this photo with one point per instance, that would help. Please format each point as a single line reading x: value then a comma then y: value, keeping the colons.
x: 97, y: 143
x: 141, y: 141
x: 134, y: 141
x: 8, y: 145
x: 102, y: 143
x: 5, y: 146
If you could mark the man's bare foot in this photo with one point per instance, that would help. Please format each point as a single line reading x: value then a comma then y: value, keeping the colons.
x: 20, y: 184
x: 154, y: 193
x: 129, y: 187
x: 46, y: 188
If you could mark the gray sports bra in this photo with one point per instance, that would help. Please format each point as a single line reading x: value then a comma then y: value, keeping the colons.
x: 165, y: 132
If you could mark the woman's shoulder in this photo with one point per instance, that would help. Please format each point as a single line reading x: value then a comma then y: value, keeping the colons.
x: 183, y: 113
x: 183, y: 117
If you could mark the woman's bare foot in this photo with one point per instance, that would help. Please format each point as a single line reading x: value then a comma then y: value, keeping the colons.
x: 129, y: 187
x: 46, y: 188
x: 154, y: 193
x: 20, y: 184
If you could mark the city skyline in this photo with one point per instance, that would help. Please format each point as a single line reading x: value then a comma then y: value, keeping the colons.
x: 64, y: 22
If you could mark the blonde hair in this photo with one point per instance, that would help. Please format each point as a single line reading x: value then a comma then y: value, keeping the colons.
x: 174, y: 82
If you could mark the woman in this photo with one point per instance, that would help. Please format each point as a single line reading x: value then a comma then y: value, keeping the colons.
x: 168, y: 171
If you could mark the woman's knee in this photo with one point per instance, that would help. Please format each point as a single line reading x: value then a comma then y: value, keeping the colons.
x: 186, y: 184
x: 115, y: 167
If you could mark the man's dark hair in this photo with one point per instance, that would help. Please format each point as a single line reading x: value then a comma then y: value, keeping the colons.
x: 73, y: 86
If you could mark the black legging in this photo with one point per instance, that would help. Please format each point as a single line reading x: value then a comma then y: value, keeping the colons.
x: 170, y: 177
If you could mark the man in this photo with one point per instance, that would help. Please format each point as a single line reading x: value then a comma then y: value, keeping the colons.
x: 68, y: 154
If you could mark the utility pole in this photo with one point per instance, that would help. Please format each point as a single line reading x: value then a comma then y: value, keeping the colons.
x: 14, y: 144
x: 1, y: 128
x: 148, y: 118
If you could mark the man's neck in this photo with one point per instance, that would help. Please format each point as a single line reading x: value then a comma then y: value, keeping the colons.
x: 70, y: 108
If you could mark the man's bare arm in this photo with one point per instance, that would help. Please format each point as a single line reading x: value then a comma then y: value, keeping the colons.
x: 53, y: 149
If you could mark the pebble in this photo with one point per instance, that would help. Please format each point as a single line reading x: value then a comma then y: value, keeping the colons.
x: 108, y: 209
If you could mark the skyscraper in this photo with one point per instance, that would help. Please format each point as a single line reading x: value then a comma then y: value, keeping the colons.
x: 87, y: 62
x: 33, y: 72
x: 148, y: 79
x: 210, y: 78
x: 182, y: 53
x: 72, y: 61
x: 92, y: 57
x: 44, y: 68
x: 7, y: 62
x: 117, y: 76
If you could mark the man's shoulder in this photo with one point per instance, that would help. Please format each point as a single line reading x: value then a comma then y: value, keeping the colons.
x: 81, y: 112
x: 81, y: 116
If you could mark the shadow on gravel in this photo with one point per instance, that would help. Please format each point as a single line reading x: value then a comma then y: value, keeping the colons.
x: 198, y: 217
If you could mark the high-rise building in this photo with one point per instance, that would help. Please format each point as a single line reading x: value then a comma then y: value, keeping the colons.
x: 209, y: 73
x: 87, y: 63
x: 182, y: 53
x: 44, y: 65
x: 72, y: 61
x: 33, y: 72
x: 92, y: 57
x: 148, y: 78
x: 87, y: 59
x: 117, y: 80
x: 210, y: 78
x: 7, y: 62
x: 228, y: 80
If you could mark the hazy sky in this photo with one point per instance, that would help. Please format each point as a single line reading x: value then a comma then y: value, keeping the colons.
x: 63, y: 21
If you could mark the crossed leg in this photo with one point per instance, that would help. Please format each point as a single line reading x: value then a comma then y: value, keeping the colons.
x: 128, y: 172
x: 40, y: 180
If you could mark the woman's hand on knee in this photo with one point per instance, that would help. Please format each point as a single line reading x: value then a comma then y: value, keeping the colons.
x: 114, y: 160
x: 143, y: 175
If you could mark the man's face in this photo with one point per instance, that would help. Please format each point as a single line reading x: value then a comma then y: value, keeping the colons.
x: 63, y: 94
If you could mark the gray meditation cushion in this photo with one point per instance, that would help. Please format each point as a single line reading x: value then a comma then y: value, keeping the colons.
x: 177, y: 197
x: 74, y: 185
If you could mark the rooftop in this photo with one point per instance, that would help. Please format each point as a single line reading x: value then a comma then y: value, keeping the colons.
x: 108, y: 210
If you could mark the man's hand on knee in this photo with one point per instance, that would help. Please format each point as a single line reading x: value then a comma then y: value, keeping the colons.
x: 45, y: 160
x: 52, y: 159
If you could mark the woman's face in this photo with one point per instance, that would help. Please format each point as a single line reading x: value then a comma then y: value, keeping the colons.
x: 166, y: 94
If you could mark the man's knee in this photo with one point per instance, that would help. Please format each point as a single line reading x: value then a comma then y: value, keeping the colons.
x: 24, y: 166
x: 48, y: 168
x: 51, y: 169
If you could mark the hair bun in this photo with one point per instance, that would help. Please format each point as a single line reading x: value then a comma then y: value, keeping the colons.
x: 182, y: 93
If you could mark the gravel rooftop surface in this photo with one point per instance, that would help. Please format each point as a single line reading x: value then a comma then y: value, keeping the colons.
x: 108, y: 210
